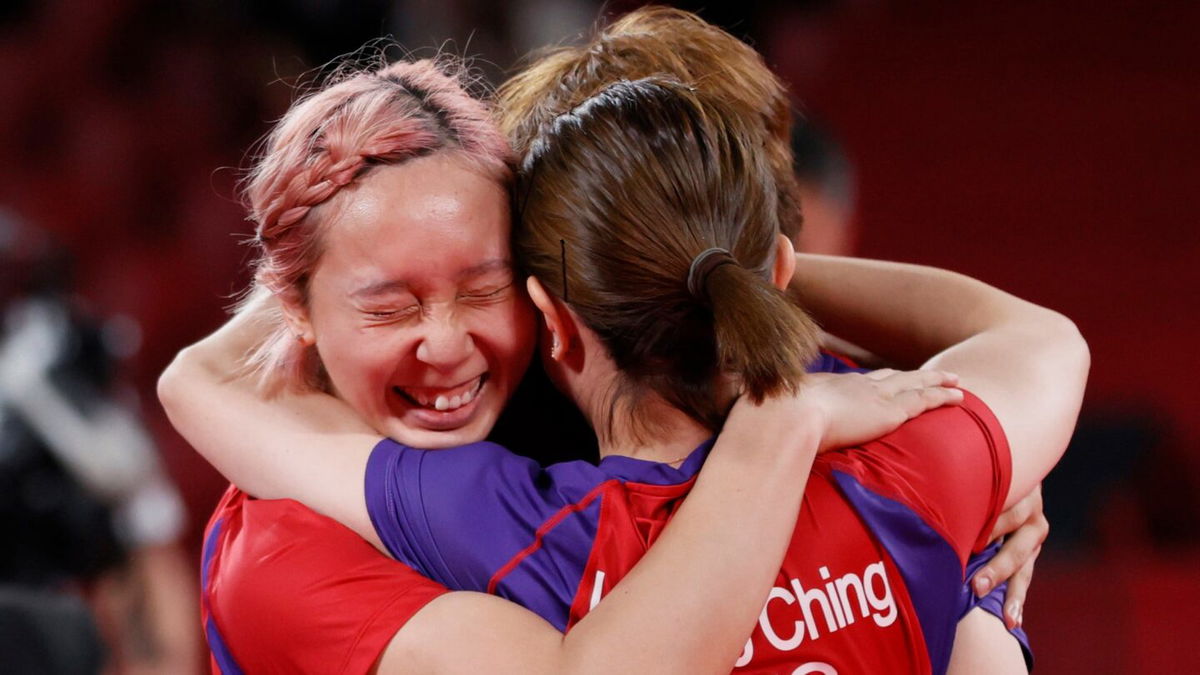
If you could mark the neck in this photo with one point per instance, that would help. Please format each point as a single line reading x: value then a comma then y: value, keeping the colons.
x: 660, y: 432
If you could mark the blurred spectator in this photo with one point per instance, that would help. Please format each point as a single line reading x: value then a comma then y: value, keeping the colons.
x: 86, y: 511
x: 826, y: 190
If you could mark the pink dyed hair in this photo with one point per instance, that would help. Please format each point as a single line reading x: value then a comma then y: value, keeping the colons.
x: 327, y: 140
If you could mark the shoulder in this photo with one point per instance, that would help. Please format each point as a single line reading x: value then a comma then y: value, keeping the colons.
x: 951, y: 466
x: 292, y: 586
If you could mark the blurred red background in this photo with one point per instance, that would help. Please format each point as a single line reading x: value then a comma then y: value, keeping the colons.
x: 1048, y: 148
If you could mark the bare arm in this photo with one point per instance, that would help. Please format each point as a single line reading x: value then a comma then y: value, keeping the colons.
x: 983, y: 646
x: 1028, y: 363
x: 308, y: 446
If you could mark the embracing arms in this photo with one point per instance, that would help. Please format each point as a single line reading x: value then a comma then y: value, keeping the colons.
x: 311, y: 446
x: 1028, y: 363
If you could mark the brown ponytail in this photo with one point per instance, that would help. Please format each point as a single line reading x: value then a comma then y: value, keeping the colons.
x: 632, y: 185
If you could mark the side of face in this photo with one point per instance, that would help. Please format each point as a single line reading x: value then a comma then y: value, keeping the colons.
x: 414, y: 308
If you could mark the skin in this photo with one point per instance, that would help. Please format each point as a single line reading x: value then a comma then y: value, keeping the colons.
x: 414, y: 300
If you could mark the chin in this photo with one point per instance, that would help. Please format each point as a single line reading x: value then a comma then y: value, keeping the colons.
x: 437, y: 439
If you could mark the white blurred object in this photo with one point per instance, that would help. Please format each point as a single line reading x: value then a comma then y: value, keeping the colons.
x: 105, y: 448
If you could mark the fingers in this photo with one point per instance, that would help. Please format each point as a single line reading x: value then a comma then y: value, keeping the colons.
x: 882, y: 373
x: 917, y: 391
x: 1018, y: 514
x: 916, y: 401
x: 1019, y: 551
x: 897, y: 381
x: 1018, y: 587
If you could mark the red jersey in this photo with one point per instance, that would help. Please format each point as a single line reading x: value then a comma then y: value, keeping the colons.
x: 285, y: 590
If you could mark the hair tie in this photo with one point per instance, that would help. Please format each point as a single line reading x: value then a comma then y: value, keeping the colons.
x: 702, y: 266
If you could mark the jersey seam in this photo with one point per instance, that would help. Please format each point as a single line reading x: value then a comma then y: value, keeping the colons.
x: 542, y: 531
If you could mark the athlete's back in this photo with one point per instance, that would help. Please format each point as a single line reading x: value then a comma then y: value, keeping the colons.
x: 873, y: 580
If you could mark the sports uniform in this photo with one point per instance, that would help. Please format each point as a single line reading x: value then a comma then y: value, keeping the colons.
x: 873, y: 581
x: 285, y: 590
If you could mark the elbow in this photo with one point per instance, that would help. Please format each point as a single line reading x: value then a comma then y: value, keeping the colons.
x: 172, y: 383
x: 1072, y: 350
x: 168, y: 386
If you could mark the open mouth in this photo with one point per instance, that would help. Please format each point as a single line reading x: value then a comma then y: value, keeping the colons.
x: 442, y: 399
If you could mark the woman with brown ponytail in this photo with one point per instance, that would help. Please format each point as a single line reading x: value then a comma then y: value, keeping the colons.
x: 650, y: 253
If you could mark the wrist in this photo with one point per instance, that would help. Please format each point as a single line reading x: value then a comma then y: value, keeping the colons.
x: 794, y: 432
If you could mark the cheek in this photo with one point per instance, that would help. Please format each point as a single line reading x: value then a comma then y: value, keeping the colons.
x: 359, y: 363
x: 511, y: 333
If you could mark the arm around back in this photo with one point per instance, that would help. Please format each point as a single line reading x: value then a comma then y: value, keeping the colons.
x: 1029, y: 364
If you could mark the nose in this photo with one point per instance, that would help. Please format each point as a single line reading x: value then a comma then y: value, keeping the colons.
x: 446, y: 343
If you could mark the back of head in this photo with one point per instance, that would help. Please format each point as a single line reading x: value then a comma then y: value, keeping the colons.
x: 327, y: 140
x: 657, y: 41
x: 620, y: 198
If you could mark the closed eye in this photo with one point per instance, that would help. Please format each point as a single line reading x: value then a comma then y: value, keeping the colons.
x: 387, y: 315
x: 486, y: 294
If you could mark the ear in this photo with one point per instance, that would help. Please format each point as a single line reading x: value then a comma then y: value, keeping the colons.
x: 558, y: 318
x: 785, y: 262
x: 295, y: 315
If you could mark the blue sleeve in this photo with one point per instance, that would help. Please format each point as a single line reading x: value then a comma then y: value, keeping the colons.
x: 456, y: 515
x: 828, y: 362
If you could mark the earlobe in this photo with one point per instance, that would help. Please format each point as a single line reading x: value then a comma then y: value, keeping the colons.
x: 298, y: 322
x: 785, y: 262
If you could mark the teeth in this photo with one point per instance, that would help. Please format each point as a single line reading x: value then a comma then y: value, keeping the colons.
x: 442, y: 402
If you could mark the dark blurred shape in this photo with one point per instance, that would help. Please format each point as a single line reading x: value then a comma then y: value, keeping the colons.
x: 1121, y: 475
x: 323, y: 30
x: 819, y: 159
x: 84, y: 504
x: 54, y: 529
x: 827, y: 190
x: 47, y: 634
x: 1104, y: 451
x: 30, y: 262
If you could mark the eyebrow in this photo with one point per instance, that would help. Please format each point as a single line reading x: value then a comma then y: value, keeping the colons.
x: 395, y: 285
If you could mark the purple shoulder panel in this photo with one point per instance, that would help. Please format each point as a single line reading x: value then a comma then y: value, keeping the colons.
x: 831, y: 363
x: 548, y: 577
x: 927, y: 563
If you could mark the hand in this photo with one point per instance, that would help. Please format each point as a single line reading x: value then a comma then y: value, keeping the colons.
x: 857, y: 408
x: 1027, y: 527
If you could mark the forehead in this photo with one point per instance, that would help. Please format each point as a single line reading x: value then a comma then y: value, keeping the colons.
x: 430, y: 218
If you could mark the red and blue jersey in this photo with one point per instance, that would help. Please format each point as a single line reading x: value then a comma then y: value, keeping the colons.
x: 873, y: 580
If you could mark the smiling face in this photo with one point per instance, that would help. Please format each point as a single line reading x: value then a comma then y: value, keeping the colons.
x: 414, y: 309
